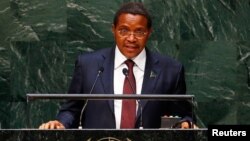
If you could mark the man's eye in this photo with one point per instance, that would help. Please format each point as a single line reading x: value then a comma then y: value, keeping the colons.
x: 123, y: 30
x: 139, y: 32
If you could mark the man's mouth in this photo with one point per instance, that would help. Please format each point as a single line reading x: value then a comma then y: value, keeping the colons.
x: 131, y: 46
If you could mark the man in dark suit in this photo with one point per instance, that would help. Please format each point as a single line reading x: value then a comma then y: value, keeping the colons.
x: 153, y: 74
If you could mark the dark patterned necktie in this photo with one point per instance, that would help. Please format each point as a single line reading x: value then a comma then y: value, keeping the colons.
x: 129, y: 105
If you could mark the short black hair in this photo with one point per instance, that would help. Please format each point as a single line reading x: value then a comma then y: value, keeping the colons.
x: 133, y: 8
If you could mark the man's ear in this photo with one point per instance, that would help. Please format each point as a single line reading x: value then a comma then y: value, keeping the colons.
x: 113, y: 28
x: 150, y: 31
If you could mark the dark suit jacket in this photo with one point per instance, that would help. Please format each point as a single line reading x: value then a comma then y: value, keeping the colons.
x: 163, y: 75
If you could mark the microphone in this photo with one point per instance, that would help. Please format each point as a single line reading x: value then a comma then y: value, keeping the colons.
x: 125, y: 72
x: 101, y: 69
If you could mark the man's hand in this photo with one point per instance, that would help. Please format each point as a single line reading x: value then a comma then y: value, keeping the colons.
x: 55, y: 124
x: 186, y: 125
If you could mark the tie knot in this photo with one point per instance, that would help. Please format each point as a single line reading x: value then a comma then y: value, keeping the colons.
x: 129, y: 63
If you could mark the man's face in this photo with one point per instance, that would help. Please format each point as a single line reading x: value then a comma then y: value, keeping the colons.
x: 131, y: 34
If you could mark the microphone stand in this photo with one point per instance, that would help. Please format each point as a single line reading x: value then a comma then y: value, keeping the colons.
x: 85, y: 104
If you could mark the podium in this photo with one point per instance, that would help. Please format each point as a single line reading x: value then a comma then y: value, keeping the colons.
x: 171, y: 121
x: 104, y: 135
x: 162, y: 134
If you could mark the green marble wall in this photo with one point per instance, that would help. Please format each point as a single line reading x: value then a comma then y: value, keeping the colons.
x: 40, y: 39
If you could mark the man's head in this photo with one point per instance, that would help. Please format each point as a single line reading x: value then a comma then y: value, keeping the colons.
x: 135, y: 8
x: 131, y: 28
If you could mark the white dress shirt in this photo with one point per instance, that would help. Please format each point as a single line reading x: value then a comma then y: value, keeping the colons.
x: 139, y: 67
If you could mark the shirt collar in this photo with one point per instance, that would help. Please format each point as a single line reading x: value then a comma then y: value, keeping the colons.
x: 140, y: 60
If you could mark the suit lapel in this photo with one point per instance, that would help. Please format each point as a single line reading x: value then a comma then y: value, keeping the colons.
x: 151, y: 75
x: 108, y: 74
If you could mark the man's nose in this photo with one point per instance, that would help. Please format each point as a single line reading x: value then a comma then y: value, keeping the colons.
x: 131, y: 37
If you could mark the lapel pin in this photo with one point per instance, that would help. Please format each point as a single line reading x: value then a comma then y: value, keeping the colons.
x: 152, y: 74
